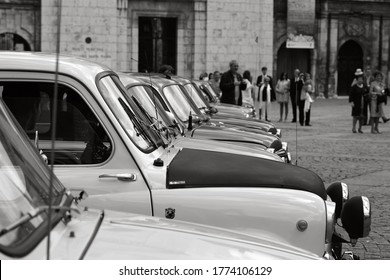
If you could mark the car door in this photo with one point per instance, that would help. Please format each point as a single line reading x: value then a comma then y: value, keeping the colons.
x: 88, y: 152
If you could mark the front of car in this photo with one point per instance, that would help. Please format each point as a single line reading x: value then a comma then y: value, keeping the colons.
x: 35, y: 205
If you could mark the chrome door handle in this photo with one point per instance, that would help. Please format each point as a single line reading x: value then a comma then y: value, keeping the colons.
x: 120, y: 177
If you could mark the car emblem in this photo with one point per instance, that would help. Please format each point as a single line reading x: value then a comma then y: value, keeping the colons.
x: 169, y: 213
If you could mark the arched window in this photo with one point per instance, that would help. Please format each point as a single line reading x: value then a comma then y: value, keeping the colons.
x: 12, y: 41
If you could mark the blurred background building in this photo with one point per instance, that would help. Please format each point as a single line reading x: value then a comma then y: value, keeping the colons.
x: 196, y: 36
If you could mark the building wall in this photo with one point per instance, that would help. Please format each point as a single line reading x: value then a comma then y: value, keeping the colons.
x: 241, y: 30
x: 88, y: 29
x: 338, y: 21
x: 210, y: 32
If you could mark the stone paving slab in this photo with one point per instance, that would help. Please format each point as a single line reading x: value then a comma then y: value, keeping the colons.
x: 330, y: 149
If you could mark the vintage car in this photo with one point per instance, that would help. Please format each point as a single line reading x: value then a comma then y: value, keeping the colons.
x: 177, y: 101
x: 105, y: 144
x: 77, y: 233
x: 236, y: 116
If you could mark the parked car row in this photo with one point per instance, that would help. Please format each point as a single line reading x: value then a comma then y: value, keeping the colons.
x: 143, y: 145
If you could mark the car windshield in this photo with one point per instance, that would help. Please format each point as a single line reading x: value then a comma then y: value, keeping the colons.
x: 24, y: 181
x: 136, y: 125
x: 178, y: 101
x: 211, y: 90
x: 193, y: 93
x: 140, y: 92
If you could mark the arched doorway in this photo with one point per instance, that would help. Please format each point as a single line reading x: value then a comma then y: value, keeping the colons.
x: 12, y: 42
x: 291, y: 59
x: 349, y: 59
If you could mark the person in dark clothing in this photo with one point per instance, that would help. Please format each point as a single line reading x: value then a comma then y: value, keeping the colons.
x: 231, y: 85
x: 357, y: 96
x: 296, y: 85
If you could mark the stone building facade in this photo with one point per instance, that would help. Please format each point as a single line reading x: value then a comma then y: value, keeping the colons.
x: 350, y: 34
x: 204, y: 35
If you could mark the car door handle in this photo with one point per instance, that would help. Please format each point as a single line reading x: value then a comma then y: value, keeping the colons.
x: 120, y: 177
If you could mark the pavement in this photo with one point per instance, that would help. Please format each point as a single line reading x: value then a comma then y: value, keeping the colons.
x: 362, y: 161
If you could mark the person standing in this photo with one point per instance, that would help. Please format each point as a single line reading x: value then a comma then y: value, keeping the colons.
x: 357, y: 97
x: 214, y: 83
x: 377, y: 89
x: 283, y: 94
x: 231, y: 85
x: 261, y: 79
x: 259, y: 82
x: 248, y: 93
x: 305, y: 100
x: 265, y: 96
x: 296, y: 85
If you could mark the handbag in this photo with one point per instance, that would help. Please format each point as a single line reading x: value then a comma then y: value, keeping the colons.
x: 382, y: 98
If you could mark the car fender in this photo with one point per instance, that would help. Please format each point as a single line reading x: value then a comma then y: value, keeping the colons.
x: 255, y: 211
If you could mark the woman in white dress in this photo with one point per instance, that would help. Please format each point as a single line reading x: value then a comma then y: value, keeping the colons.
x: 248, y: 93
x: 283, y: 94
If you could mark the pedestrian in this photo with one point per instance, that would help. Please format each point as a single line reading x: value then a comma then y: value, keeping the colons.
x: 259, y: 82
x: 357, y: 96
x: 265, y: 96
x: 214, y: 83
x: 166, y: 70
x: 306, y: 100
x: 283, y: 94
x: 248, y: 93
x: 296, y: 85
x: 377, y: 92
x: 231, y: 85
x: 367, y: 79
x: 204, y: 76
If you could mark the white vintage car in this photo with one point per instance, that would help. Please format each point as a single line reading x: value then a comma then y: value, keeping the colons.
x: 106, y: 145
x: 97, y: 234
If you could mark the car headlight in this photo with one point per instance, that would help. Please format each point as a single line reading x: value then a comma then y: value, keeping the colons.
x: 339, y: 194
x: 356, y: 217
x: 285, y: 146
x: 330, y: 220
x: 271, y: 150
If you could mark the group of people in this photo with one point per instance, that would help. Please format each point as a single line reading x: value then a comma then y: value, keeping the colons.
x: 238, y: 90
x: 367, y: 96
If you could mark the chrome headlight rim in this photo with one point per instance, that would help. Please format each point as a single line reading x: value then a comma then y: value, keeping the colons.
x: 330, y: 207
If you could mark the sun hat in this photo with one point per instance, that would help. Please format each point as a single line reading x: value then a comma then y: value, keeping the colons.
x: 359, y: 72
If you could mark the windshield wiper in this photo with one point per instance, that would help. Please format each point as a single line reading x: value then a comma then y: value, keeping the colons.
x: 153, y: 124
x: 137, y: 124
x: 34, y: 213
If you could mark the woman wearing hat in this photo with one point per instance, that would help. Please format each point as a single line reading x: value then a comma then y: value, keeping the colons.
x: 356, y: 98
x: 377, y: 89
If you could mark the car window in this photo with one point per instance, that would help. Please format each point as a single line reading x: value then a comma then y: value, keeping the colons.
x: 178, y: 102
x: 23, y: 181
x: 80, y: 137
x: 135, y: 127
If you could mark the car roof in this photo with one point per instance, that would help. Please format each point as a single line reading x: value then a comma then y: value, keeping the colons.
x: 81, y: 68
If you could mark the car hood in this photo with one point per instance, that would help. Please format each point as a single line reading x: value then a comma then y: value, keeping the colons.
x: 128, y: 236
x: 238, y: 171
x: 213, y: 132
x: 247, y: 149
x: 264, y: 127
